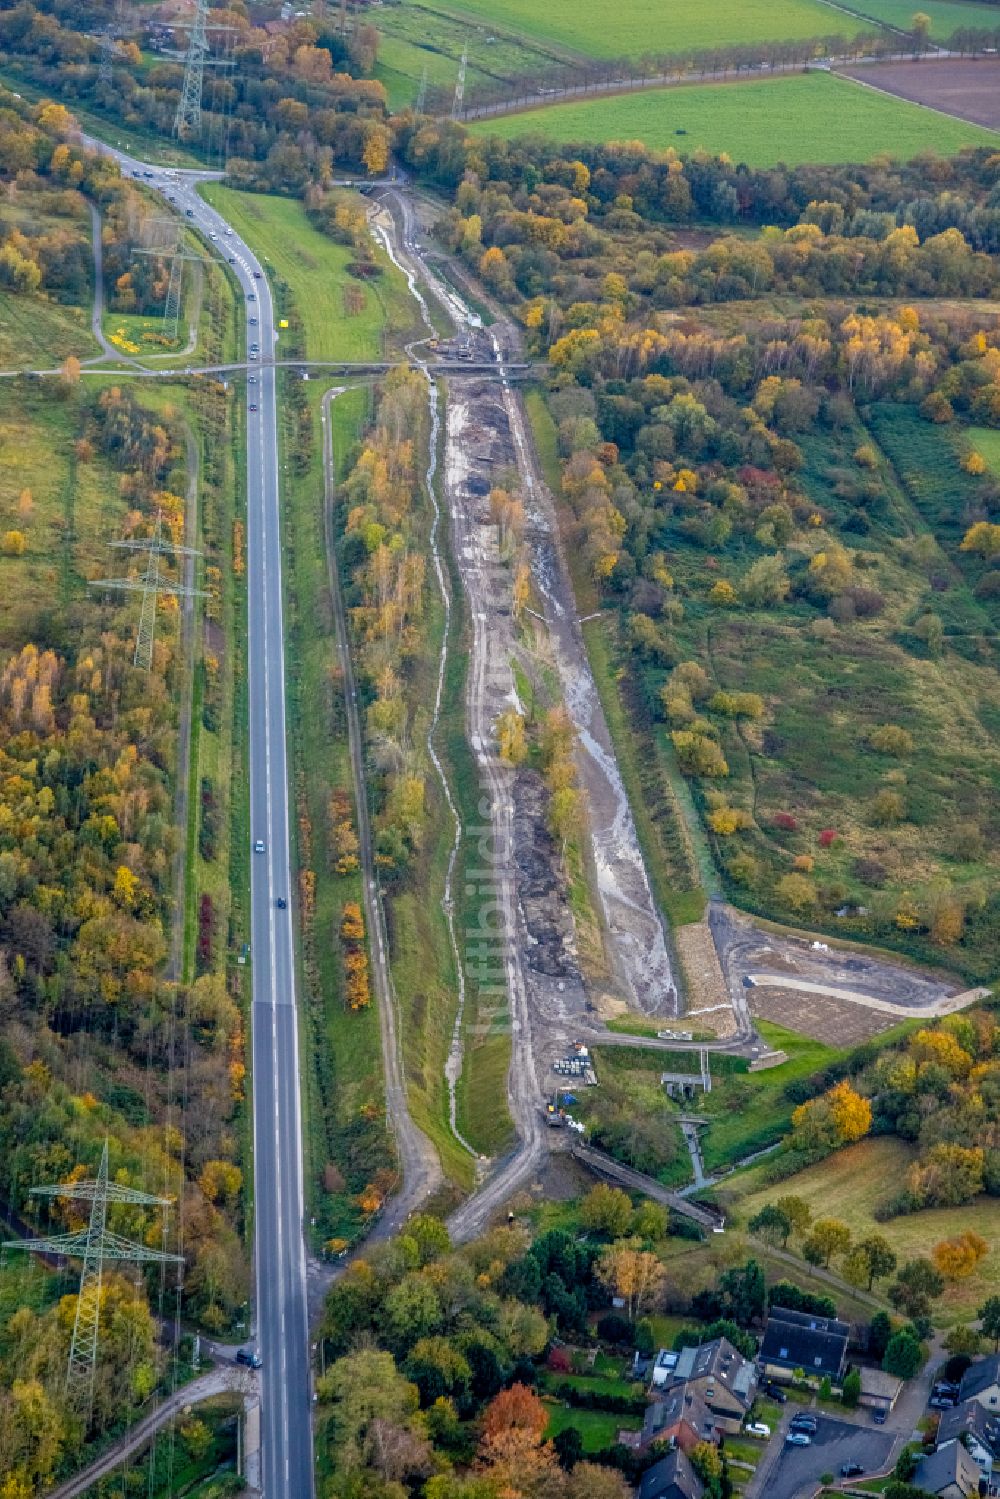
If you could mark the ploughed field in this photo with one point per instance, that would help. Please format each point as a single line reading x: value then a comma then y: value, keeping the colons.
x: 968, y: 87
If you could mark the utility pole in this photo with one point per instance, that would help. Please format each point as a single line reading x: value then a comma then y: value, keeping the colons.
x: 151, y: 586
x: 456, y: 108
x: 93, y: 1245
x: 110, y: 35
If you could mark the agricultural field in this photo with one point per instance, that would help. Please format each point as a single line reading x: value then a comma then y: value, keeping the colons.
x: 810, y: 118
x: 643, y: 26
x: 850, y: 1184
x: 962, y: 88
x: 946, y: 16
x: 314, y: 269
x: 412, y: 39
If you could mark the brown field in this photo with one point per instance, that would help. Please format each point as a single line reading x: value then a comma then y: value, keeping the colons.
x: 821, y: 1016
x: 968, y: 88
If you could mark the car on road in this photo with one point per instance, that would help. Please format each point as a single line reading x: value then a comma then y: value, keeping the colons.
x: 252, y: 354
x: 189, y: 212
x: 253, y: 322
x: 798, y: 1439
x: 251, y: 296
x: 757, y: 1429
x: 851, y: 1470
x: 281, y: 903
x: 251, y: 379
x: 253, y: 405
x: 248, y: 1357
x: 804, y: 1422
x: 258, y: 846
x: 232, y: 260
x: 257, y: 276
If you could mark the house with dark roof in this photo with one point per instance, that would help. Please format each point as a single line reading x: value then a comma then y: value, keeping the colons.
x: 718, y: 1377
x: 800, y: 1340
x: 977, y: 1428
x: 678, y: 1417
x: 671, y: 1478
x: 949, y: 1472
x: 981, y: 1381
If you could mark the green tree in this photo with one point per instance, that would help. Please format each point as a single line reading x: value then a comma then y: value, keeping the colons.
x: 879, y: 1333
x: 989, y: 1320
x: 851, y: 1388
x: 771, y: 1224
x: 904, y: 1354
x: 829, y: 1237
x: 797, y: 1211
x: 870, y: 1260
x: 606, y: 1210
x: 915, y: 1287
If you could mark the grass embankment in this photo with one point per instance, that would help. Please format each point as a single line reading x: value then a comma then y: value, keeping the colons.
x: 985, y: 440
x: 678, y: 867
x: 640, y: 27
x: 344, y: 1094
x: 314, y: 269
x: 850, y: 1184
x: 811, y: 118
x: 39, y: 334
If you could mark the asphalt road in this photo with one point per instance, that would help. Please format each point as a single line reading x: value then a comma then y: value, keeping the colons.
x: 282, y: 1334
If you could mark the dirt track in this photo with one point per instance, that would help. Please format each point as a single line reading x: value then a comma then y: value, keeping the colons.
x: 968, y: 88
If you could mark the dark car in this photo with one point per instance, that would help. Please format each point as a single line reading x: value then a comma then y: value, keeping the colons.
x: 850, y: 1470
x: 804, y: 1422
x: 253, y: 322
x: 878, y: 1415
x: 249, y: 1358
x: 774, y: 1392
x: 257, y: 276
x: 281, y: 903
x: 232, y: 260
x: 253, y: 405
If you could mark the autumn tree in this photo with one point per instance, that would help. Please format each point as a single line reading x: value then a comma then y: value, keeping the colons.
x: 512, y: 741
x: 957, y: 1258
x: 829, y: 1237
x: 606, y: 1210
x: 636, y: 1275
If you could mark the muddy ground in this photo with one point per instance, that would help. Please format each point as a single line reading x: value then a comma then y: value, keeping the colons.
x: 968, y: 88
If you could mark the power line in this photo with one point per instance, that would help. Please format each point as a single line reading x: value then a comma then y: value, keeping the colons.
x: 93, y: 1246
x: 456, y: 108
x: 150, y: 586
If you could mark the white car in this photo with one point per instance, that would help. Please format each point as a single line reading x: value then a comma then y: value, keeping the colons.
x: 258, y: 847
x: 757, y: 1429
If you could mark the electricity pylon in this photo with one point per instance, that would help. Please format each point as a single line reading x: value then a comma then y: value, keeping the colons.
x: 456, y: 108
x: 172, y: 305
x: 187, y: 120
x: 422, y: 94
x: 109, y: 36
x: 93, y: 1245
x: 150, y: 586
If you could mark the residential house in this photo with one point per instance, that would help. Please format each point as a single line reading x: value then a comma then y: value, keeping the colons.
x: 800, y: 1340
x: 699, y: 1394
x: 879, y: 1390
x: 949, y: 1472
x: 977, y: 1429
x: 671, y: 1478
x: 720, y: 1378
x: 679, y: 1417
x: 981, y: 1381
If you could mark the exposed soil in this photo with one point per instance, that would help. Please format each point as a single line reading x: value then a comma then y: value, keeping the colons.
x: 835, y: 1021
x: 968, y: 88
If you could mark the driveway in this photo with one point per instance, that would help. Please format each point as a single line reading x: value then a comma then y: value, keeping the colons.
x: 798, y: 1469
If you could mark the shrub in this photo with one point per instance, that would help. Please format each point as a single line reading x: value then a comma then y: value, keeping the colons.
x: 890, y: 739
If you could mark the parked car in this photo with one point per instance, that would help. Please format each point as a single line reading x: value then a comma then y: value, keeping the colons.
x: 879, y: 1415
x: 249, y: 1358
x: 774, y: 1392
x: 803, y: 1422
x: 798, y: 1439
x: 850, y: 1470
x: 757, y: 1429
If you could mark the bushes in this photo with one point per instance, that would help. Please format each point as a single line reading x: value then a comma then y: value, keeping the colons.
x: 596, y: 1400
x: 206, y: 932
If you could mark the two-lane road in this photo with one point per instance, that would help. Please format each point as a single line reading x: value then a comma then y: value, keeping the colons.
x: 282, y: 1322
